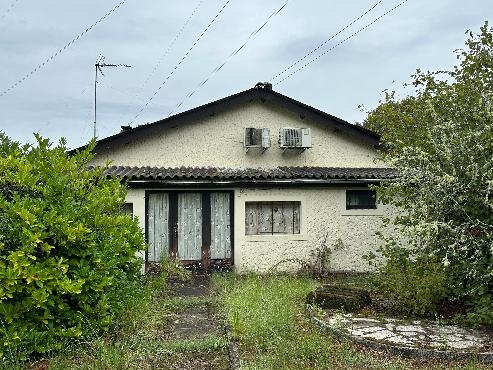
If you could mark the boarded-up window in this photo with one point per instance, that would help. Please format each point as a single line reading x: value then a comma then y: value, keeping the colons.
x: 272, y: 218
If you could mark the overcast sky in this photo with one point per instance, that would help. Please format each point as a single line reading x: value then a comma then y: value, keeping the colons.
x: 58, y: 99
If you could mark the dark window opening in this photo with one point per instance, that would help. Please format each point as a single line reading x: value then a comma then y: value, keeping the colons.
x: 361, y: 199
x: 128, y: 209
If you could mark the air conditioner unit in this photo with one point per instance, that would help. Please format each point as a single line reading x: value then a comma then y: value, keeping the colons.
x: 256, y: 138
x: 295, y: 138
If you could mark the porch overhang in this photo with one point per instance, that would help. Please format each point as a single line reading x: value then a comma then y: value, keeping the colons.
x: 250, y: 177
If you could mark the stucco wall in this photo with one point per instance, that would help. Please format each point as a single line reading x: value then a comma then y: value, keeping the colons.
x: 323, y: 213
x: 137, y: 198
x: 218, y: 141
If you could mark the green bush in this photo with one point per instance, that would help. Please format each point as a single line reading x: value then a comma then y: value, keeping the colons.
x: 413, y: 286
x: 440, y: 139
x: 66, y: 249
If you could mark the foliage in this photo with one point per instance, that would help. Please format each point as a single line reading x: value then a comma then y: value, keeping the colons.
x: 441, y: 141
x: 318, y: 265
x: 67, y: 252
x: 275, y: 332
x: 423, y: 278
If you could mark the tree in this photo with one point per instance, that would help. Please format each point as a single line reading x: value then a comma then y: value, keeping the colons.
x: 441, y: 141
x: 67, y: 252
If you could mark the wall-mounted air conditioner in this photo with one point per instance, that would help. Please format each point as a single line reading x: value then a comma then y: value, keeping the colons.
x: 295, y: 138
x: 256, y: 138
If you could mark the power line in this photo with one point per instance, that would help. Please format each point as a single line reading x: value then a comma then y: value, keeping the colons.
x: 49, y: 59
x: 9, y: 9
x: 168, y: 49
x: 341, y: 42
x: 231, y: 55
x: 326, y: 41
x: 179, y: 63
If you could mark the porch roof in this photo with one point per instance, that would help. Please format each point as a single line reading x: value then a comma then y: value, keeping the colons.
x: 245, y: 175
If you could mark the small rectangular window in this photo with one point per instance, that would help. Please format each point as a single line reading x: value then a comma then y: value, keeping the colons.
x: 263, y: 218
x: 361, y: 199
x: 128, y: 209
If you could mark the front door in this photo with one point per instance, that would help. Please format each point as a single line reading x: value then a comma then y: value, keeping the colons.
x: 194, y: 227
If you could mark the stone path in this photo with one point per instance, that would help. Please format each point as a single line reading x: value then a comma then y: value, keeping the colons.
x: 412, y: 338
x: 196, y: 321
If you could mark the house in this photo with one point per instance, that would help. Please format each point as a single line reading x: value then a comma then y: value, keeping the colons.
x: 253, y: 180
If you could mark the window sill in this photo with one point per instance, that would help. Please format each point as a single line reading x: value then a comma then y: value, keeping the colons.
x: 276, y: 237
x: 362, y: 212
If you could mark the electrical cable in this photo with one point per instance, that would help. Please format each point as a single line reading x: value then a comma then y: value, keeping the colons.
x: 168, y: 49
x: 49, y: 59
x: 231, y: 55
x: 179, y: 63
x: 9, y: 9
x: 326, y: 41
x: 341, y: 42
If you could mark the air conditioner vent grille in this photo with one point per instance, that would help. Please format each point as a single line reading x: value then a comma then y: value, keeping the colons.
x: 295, y: 138
x: 256, y: 138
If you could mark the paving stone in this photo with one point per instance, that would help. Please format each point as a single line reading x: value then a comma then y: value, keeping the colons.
x: 399, y: 339
x: 194, y: 323
x: 365, y: 330
x: 436, y: 338
x: 410, y: 334
x: 410, y: 328
x: 415, y: 334
x: 463, y: 344
x: 390, y: 326
x: 366, y: 320
x: 447, y: 329
x: 380, y: 335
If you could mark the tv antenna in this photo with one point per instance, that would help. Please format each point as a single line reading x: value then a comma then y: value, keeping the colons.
x: 100, y: 64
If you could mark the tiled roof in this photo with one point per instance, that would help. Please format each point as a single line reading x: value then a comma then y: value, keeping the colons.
x: 249, y: 174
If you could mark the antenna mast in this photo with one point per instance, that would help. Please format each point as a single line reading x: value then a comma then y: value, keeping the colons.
x: 99, y: 68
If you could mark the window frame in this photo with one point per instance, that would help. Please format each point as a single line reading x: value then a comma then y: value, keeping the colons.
x: 128, y: 206
x: 296, y: 217
x: 365, y: 206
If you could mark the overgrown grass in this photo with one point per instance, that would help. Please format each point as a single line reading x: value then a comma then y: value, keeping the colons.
x: 269, y: 322
x: 140, y: 338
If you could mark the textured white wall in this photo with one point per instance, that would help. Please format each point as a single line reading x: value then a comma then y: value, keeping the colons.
x: 137, y: 198
x: 323, y: 212
x: 217, y: 141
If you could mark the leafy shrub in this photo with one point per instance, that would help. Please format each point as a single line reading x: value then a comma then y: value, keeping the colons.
x: 413, y: 286
x: 66, y: 249
x: 440, y: 139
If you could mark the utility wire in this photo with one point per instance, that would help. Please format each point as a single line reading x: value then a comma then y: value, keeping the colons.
x: 341, y: 42
x: 326, y: 41
x: 233, y: 53
x: 168, y: 49
x: 179, y: 63
x: 49, y: 59
x: 9, y: 9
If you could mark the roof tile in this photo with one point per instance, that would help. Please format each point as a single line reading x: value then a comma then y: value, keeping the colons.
x: 221, y: 173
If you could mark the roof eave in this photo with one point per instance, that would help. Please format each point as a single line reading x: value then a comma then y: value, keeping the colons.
x: 254, y: 182
x: 233, y: 100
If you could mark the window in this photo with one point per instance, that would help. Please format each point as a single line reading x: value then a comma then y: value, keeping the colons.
x: 361, y: 199
x: 272, y: 218
x: 128, y: 209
